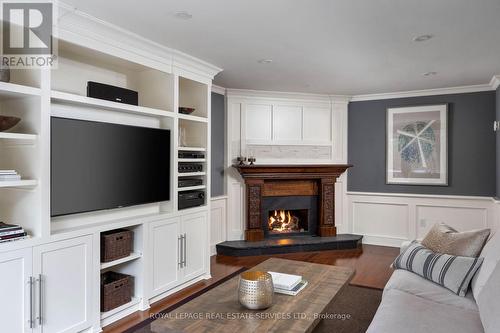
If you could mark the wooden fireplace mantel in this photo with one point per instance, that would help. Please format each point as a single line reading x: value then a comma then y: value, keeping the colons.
x: 264, y: 180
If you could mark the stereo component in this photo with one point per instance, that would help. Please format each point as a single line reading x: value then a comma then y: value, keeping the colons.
x: 191, y: 154
x: 190, y: 167
x: 112, y: 93
x: 188, y: 182
x: 190, y: 199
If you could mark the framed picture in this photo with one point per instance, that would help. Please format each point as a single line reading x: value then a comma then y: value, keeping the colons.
x: 417, y: 145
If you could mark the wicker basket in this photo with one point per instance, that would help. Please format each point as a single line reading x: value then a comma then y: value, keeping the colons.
x: 116, y: 244
x: 116, y: 290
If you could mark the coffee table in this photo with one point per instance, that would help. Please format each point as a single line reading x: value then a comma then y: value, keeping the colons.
x: 218, y: 310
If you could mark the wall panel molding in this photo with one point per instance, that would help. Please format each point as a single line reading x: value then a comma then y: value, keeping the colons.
x: 389, y: 219
x: 218, y: 222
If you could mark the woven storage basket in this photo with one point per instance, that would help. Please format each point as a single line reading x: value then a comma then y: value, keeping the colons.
x: 116, y: 290
x: 116, y: 244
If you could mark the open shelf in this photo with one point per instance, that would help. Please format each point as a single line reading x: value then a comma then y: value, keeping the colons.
x: 133, y: 302
x: 193, y: 94
x: 18, y: 137
x: 193, y: 118
x: 132, y: 256
x: 181, y: 160
x: 192, y: 148
x: 77, y: 65
x: 73, y: 99
x: 190, y: 174
x: 190, y: 188
x: 11, y: 90
x: 18, y: 183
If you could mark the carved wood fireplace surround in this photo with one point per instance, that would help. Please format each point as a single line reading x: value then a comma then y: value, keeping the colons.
x: 290, y: 180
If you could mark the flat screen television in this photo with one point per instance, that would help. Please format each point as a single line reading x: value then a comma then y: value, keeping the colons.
x: 96, y: 166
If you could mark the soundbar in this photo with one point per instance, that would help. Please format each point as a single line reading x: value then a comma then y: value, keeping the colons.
x: 112, y: 93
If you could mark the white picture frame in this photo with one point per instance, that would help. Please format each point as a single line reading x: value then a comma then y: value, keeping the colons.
x: 417, y: 145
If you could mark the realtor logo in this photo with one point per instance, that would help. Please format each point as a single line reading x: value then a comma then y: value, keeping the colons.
x: 27, y: 34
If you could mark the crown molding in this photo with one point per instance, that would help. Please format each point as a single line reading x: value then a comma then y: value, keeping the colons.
x: 495, y: 82
x: 75, y: 25
x: 218, y: 89
x: 425, y: 92
x: 286, y: 96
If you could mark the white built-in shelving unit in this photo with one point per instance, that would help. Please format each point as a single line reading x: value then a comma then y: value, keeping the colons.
x: 165, y: 80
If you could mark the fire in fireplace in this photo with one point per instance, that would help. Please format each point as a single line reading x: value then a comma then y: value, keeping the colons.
x: 288, y: 221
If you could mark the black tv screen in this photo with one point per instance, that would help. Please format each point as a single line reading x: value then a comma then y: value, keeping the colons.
x: 97, y: 166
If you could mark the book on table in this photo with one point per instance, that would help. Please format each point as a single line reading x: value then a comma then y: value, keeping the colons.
x: 297, y: 289
x: 285, y: 281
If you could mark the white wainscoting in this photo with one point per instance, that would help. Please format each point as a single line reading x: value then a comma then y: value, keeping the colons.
x: 389, y: 219
x: 218, y: 222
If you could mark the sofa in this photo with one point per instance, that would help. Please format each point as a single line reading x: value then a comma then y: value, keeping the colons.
x: 411, y: 303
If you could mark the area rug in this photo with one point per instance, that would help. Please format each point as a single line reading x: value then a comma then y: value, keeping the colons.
x: 350, y: 312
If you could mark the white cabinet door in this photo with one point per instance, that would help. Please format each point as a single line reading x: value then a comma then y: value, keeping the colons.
x: 194, y: 228
x: 64, y: 288
x: 15, y: 295
x: 165, y: 249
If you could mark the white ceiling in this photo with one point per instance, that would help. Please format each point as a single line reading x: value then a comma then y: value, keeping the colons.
x: 346, y: 47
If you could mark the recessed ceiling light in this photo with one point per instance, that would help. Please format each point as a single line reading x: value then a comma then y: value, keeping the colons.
x: 265, y: 61
x: 183, y: 15
x: 429, y: 73
x: 422, y: 38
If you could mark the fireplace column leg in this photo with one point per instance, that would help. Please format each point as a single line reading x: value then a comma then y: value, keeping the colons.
x: 254, y: 231
x: 327, y: 217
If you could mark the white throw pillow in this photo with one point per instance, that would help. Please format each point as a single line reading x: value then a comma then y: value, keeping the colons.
x: 451, y: 272
x: 491, y: 256
x: 489, y: 302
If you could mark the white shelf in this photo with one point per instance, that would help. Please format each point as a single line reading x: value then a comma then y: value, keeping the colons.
x: 132, y: 256
x: 62, y: 97
x: 190, y: 174
x: 134, y: 301
x: 18, y: 136
x: 192, y: 148
x: 190, y: 188
x: 181, y: 160
x: 18, y: 183
x: 193, y: 118
x: 12, y: 90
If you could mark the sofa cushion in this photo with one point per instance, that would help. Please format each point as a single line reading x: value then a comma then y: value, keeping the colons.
x: 413, y: 284
x: 404, y: 312
x: 444, y: 239
x: 489, y: 302
x: 491, y: 256
x: 452, y: 272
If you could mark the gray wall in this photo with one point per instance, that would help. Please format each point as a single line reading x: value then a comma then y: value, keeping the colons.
x: 498, y: 141
x: 218, y: 144
x: 471, y: 145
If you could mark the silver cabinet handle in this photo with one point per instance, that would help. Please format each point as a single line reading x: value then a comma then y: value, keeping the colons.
x: 31, y: 320
x: 179, y: 256
x: 184, y: 252
x: 40, y: 302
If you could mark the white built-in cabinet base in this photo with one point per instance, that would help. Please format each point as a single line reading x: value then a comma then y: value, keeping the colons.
x: 47, y: 288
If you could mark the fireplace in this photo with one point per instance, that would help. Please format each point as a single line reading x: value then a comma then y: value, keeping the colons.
x: 285, y: 216
x: 290, y: 200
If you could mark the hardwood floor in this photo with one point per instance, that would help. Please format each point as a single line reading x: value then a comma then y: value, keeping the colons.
x: 370, y: 262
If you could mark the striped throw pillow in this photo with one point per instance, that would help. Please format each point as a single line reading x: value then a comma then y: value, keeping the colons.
x: 451, y: 272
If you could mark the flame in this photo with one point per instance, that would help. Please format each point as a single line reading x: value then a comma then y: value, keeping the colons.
x: 283, y: 221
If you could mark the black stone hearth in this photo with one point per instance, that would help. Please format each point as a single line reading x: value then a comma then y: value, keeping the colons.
x: 289, y: 245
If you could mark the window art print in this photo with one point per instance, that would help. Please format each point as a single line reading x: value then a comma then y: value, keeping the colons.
x: 417, y: 142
